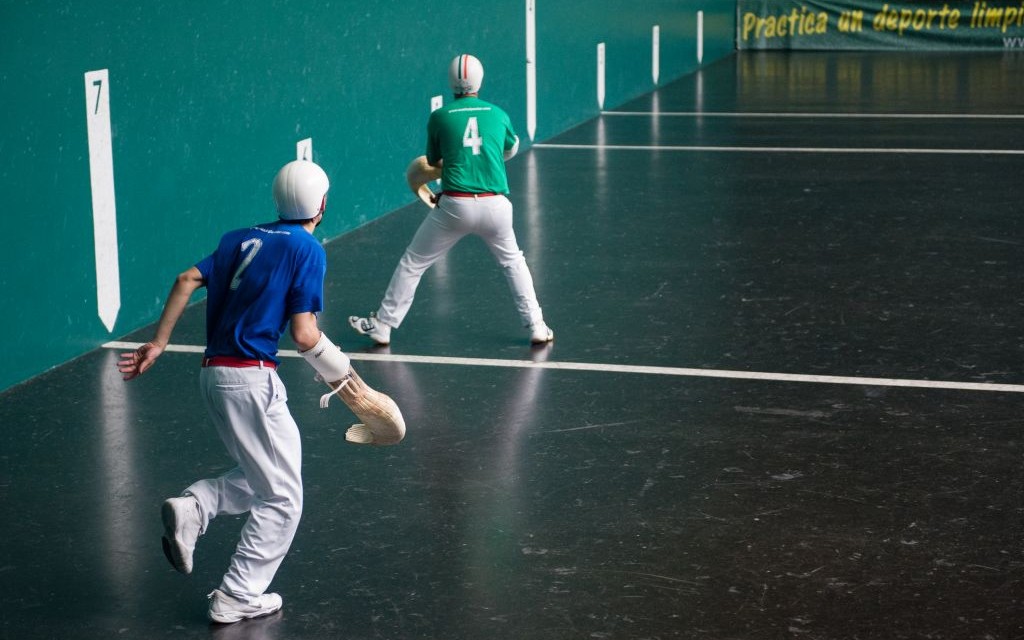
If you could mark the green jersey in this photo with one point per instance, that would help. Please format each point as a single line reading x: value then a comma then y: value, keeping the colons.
x: 471, y: 136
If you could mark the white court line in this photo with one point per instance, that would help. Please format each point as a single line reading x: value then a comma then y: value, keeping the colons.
x: 793, y: 114
x: 896, y: 150
x: 633, y: 369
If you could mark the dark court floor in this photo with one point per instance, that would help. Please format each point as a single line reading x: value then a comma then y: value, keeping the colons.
x: 850, y: 217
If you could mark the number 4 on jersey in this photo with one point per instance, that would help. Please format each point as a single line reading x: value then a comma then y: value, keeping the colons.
x: 471, y: 137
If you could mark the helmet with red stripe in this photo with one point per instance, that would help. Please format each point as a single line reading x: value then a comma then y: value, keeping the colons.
x: 465, y: 74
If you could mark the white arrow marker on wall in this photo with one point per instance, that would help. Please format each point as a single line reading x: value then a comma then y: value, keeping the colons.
x: 104, y: 209
x: 655, y: 53
x: 304, y: 149
x: 436, y: 103
x: 700, y: 36
x: 600, y: 75
x: 531, y: 69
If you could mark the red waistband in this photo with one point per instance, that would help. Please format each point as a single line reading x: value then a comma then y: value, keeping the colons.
x: 464, y: 194
x: 238, y: 363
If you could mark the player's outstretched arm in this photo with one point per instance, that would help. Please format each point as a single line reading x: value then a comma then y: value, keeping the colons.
x: 134, y: 363
x: 317, y: 349
x: 381, y: 419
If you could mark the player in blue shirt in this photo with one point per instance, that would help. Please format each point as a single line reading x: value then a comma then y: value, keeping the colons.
x: 260, y: 281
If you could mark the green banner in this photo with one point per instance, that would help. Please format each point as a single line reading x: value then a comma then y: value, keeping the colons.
x: 866, y: 24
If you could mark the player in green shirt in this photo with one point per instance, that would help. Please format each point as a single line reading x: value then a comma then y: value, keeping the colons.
x: 470, y: 140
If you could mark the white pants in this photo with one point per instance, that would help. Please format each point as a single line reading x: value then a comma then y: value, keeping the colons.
x: 488, y: 217
x: 249, y: 408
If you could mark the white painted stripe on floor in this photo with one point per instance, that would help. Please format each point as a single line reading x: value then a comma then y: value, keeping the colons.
x: 657, y: 148
x: 793, y: 114
x: 634, y: 369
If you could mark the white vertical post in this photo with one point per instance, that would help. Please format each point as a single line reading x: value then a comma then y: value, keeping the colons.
x: 600, y: 75
x: 700, y: 36
x: 531, y: 69
x: 304, y: 149
x: 655, y: 53
x: 104, y: 207
x: 436, y: 103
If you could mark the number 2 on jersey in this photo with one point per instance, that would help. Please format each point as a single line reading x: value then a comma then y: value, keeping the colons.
x: 251, y: 245
x: 471, y: 137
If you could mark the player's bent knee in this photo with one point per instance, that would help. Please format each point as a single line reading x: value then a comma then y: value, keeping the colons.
x: 515, y: 263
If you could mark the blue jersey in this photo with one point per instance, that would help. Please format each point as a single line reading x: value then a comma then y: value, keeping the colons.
x: 256, y: 280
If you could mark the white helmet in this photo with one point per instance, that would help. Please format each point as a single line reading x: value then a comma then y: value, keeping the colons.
x: 465, y: 74
x: 300, y: 190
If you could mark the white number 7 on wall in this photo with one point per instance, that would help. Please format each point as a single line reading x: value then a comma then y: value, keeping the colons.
x: 104, y: 209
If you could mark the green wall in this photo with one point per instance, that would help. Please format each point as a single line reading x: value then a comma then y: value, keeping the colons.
x: 208, y: 99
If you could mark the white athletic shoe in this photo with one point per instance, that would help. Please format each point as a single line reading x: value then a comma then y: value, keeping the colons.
x: 372, y: 327
x: 540, y: 333
x: 182, y: 525
x: 227, y: 609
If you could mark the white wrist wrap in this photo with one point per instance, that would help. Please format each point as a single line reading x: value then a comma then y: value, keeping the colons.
x: 510, y: 153
x: 327, y: 359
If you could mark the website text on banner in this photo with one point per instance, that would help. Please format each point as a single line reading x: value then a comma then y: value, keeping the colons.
x: 863, y: 24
